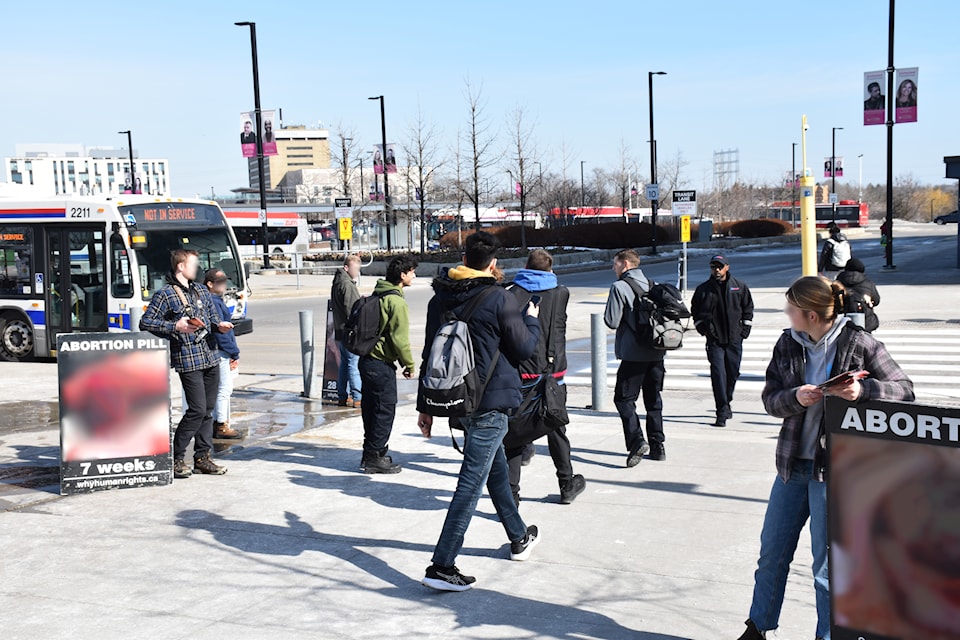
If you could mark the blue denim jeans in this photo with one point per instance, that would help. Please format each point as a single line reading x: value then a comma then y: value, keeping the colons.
x: 791, y: 504
x: 483, y: 462
x: 348, y: 376
x: 221, y: 411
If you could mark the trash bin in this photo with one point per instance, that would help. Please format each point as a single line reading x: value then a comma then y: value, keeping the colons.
x: 706, y: 230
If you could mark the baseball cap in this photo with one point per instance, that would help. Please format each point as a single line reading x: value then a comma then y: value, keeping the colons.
x: 719, y: 260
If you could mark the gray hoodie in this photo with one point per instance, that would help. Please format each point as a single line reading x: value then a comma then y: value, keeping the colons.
x: 619, y: 315
x: 819, y: 357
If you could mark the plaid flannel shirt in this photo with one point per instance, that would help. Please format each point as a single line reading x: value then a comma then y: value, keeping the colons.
x: 187, y: 352
x: 856, y: 350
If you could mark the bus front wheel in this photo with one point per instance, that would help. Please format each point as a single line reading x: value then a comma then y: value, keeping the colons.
x: 16, y: 339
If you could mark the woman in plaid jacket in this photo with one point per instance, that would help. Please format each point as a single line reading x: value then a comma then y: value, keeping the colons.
x: 819, y: 344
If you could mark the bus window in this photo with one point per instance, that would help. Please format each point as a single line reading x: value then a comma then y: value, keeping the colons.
x: 213, y: 245
x: 16, y: 249
x: 121, y: 280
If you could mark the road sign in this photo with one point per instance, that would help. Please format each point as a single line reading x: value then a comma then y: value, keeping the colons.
x: 262, y: 216
x: 342, y: 208
x: 685, y: 203
x: 834, y: 199
x: 345, y: 227
x: 684, y: 228
x: 652, y: 192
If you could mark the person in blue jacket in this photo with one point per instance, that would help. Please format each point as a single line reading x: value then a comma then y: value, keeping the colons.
x: 216, y: 281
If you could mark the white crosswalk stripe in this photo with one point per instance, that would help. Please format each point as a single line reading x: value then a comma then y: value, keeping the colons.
x: 931, y: 357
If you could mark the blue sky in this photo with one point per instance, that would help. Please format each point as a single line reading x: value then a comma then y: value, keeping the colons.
x: 740, y: 75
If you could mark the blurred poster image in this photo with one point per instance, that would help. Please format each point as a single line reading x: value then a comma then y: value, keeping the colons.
x: 331, y: 360
x: 248, y: 134
x: 267, y: 134
x: 895, y: 532
x: 905, y: 102
x: 874, y: 102
x: 114, y: 411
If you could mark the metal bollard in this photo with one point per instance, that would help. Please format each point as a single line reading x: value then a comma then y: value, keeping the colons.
x: 136, y: 312
x: 598, y: 360
x: 307, y: 353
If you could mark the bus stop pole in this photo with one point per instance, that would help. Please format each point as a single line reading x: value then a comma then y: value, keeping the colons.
x: 136, y: 312
x: 598, y: 358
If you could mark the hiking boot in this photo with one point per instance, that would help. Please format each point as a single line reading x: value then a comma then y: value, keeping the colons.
x: 637, y: 455
x: 752, y: 633
x: 379, y: 464
x: 572, y: 488
x: 658, y: 453
x: 203, y: 464
x: 521, y: 549
x: 180, y: 469
x: 721, y: 421
x: 447, y: 579
x: 223, y: 431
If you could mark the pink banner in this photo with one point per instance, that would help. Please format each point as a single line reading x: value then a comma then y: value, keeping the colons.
x: 906, y: 98
x: 874, y: 103
x: 248, y: 134
x: 267, y: 134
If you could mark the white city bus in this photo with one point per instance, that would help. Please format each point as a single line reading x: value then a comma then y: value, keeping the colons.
x: 82, y: 263
x: 287, y: 231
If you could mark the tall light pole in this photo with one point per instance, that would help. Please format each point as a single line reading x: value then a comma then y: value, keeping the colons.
x: 387, y: 208
x: 860, y: 180
x: 794, y: 185
x: 888, y: 254
x: 256, y: 106
x: 133, y: 182
x: 654, y: 204
x: 833, y: 170
x: 582, y: 162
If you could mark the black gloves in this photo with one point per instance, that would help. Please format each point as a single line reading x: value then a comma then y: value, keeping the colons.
x: 745, y: 331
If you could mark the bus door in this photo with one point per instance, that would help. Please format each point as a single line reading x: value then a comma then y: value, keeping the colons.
x: 76, y: 297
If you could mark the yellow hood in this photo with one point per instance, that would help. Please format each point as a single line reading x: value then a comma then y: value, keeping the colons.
x: 463, y: 272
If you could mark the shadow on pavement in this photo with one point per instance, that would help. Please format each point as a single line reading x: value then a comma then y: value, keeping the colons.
x: 676, y: 487
x: 480, y: 608
x: 34, y: 468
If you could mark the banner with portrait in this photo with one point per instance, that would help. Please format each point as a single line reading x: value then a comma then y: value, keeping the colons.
x: 248, y: 134
x: 905, y: 101
x: 384, y: 160
x: 268, y: 133
x: 894, y: 520
x: 828, y: 168
x: 874, y: 102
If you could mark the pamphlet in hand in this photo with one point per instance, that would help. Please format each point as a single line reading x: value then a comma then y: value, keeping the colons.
x: 843, y: 379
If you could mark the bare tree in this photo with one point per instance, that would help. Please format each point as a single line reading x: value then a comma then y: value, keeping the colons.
x: 420, y: 148
x: 670, y: 175
x: 479, y: 141
x: 520, y: 162
x: 347, y: 144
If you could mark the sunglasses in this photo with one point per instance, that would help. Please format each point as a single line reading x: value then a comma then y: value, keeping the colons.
x: 717, y: 267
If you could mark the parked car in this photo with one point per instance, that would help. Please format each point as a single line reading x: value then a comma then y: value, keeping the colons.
x: 950, y: 217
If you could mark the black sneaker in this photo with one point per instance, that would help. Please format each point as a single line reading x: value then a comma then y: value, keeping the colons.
x: 752, y: 633
x: 447, y: 579
x: 180, y: 469
x: 637, y: 455
x: 521, y: 549
x: 572, y: 488
x: 720, y: 422
x: 658, y: 453
x: 379, y: 464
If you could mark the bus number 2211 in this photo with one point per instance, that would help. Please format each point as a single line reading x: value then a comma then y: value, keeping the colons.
x: 79, y: 212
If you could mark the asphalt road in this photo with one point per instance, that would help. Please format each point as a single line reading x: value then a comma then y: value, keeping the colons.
x: 925, y: 254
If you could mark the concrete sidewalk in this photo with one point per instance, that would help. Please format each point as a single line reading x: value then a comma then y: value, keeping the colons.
x: 293, y: 542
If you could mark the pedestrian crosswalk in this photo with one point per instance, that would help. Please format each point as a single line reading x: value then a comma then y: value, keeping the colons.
x: 930, y: 356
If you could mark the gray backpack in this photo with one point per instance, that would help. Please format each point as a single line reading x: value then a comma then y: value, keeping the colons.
x: 449, y: 383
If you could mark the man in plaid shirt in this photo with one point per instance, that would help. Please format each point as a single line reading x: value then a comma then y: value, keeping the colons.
x: 183, y: 312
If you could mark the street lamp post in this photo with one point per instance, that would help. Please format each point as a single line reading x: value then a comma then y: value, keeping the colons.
x: 833, y: 169
x: 860, y: 179
x: 133, y: 181
x: 793, y: 183
x: 387, y: 208
x: 654, y: 204
x: 582, y: 162
x: 260, y: 172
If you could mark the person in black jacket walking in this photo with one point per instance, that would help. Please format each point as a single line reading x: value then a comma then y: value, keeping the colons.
x: 502, y: 338
x: 722, y: 310
x: 549, y: 359
x: 861, y: 292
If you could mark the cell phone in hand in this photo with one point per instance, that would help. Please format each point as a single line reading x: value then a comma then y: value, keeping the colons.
x: 535, y: 299
x: 841, y: 379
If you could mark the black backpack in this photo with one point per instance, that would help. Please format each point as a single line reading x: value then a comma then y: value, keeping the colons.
x: 658, y: 315
x: 362, y: 329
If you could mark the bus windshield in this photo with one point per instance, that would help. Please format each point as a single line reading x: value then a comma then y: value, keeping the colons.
x: 213, y: 245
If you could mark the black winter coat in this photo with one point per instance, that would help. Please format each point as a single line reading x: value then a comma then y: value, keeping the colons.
x: 723, y: 311
x: 498, y: 323
x: 548, y: 357
x: 862, y: 286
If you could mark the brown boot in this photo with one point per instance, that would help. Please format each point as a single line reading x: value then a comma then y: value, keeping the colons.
x: 203, y: 464
x: 222, y: 431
